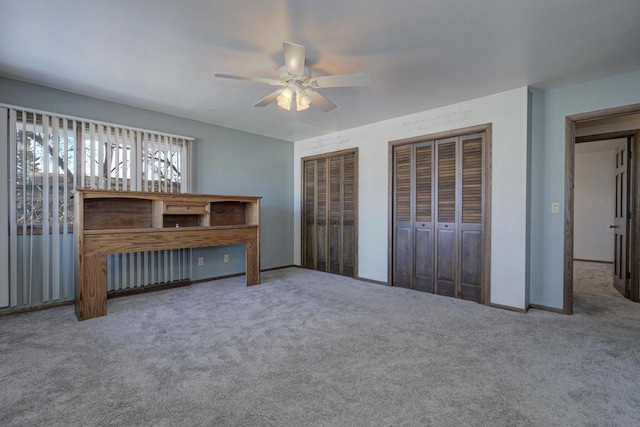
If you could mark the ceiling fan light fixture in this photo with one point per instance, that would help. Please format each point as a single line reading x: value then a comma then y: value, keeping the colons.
x: 284, y: 99
x: 302, y: 100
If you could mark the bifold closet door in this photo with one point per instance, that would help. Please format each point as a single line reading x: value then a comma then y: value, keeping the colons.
x: 438, y: 190
x: 348, y: 242
x: 329, y: 235
x: 413, y: 217
x: 471, y: 228
x: 446, y: 226
x: 402, y: 216
x: 423, y: 218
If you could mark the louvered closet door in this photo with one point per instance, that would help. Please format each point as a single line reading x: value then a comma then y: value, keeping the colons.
x: 470, y: 217
x: 321, y: 228
x: 309, y: 215
x: 402, y: 216
x: 446, y: 236
x: 335, y: 214
x: 349, y: 242
x: 413, y: 217
x: 438, y: 196
x: 423, y: 218
x: 329, y: 232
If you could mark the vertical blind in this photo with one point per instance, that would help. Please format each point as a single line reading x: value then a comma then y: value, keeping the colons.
x: 48, y: 156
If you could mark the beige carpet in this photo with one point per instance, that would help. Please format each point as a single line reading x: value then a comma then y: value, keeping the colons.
x: 595, y: 278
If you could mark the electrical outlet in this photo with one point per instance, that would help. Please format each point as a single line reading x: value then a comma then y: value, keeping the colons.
x: 226, y: 257
x: 555, y: 207
x: 200, y: 261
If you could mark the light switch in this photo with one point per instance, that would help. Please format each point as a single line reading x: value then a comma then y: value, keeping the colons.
x: 555, y: 207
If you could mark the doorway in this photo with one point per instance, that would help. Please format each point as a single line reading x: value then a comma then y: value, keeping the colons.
x: 600, y: 178
x: 614, y: 124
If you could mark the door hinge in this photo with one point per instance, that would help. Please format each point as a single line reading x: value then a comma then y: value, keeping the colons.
x: 628, y: 275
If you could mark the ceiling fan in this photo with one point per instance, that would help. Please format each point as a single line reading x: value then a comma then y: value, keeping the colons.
x: 295, y: 80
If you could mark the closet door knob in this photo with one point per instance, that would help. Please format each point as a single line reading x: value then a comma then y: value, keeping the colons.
x: 613, y: 226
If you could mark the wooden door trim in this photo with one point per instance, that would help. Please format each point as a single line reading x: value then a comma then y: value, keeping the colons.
x: 569, y: 171
x: 486, y: 208
x: 634, y: 236
x: 486, y: 216
x: 326, y: 156
x: 605, y: 136
x: 330, y: 154
x: 442, y: 135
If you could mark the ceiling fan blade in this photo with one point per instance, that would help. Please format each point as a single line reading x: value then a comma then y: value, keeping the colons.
x: 251, y: 79
x: 320, y: 101
x: 294, y: 57
x: 346, y: 80
x: 268, y: 99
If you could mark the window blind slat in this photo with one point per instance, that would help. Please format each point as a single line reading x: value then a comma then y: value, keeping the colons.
x: 92, y: 155
x: 55, y: 212
x: 13, y: 243
x: 100, y: 161
x: 118, y: 166
x: 165, y: 153
x: 65, y: 208
x: 32, y: 201
x: 136, y: 167
x: 6, y: 128
x: 147, y: 268
x: 46, y: 248
x: 155, y: 163
x: 25, y: 177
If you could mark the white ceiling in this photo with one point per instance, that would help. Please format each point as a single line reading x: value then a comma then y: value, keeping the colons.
x: 421, y: 54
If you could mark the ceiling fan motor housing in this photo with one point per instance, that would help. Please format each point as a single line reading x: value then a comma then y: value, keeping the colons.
x: 286, y: 77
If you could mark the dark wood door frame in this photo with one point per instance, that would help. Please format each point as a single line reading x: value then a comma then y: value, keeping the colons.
x: 486, y: 211
x: 570, y: 141
x: 353, y: 151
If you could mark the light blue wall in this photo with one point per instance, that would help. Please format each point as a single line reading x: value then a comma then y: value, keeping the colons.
x: 536, y: 190
x: 227, y: 161
x: 224, y: 161
x: 549, y: 112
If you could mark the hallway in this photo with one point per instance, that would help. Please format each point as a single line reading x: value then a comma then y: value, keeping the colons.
x: 594, y: 278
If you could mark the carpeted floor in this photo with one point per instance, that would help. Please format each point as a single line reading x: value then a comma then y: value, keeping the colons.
x: 595, y: 278
x: 311, y: 349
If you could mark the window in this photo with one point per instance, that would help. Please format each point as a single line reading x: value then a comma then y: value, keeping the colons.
x: 111, y: 157
x: 125, y: 159
x: 49, y: 156
x: 45, y: 159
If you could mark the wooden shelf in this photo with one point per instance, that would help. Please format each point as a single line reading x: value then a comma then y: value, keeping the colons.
x: 164, y: 229
x: 110, y: 222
